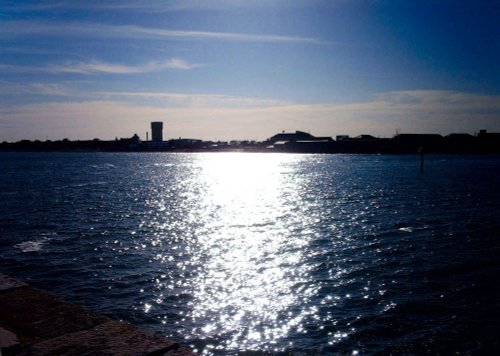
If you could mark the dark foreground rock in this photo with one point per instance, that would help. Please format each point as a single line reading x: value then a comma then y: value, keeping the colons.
x: 111, y: 338
x: 35, y: 322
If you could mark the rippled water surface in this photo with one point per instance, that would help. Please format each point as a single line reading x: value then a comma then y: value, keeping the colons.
x: 265, y: 252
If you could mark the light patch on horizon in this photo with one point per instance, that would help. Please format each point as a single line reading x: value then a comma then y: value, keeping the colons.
x: 420, y: 112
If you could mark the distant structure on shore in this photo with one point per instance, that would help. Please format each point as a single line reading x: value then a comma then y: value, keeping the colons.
x: 292, y: 141
x: 297, y: 142
x: 297, y: 136
x: 157, y: 131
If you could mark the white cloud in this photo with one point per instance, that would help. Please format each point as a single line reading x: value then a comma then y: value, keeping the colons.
x: 50, y: 89
x: 144, y: 6
x: 194, y: 100
x: 94, y: 67
x: 44, y: 89
x: 112, y: 68
x: 9, y: 29
x: 421, y: 111
x: 141, y: 6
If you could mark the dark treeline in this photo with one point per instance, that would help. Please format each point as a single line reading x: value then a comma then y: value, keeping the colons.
x: 299, y: 142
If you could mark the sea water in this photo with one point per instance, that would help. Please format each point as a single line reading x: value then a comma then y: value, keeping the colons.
x: 233, y: 252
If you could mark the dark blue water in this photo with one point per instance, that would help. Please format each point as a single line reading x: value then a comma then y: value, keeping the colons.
x: 356, y: 254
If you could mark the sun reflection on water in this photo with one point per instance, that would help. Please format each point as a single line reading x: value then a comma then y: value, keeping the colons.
x: 250, y: 269
x: 255, y: 252
x: 306, y: 254
x: 245, y: 291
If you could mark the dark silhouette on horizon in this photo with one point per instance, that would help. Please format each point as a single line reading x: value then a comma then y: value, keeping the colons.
x: 298, y: 142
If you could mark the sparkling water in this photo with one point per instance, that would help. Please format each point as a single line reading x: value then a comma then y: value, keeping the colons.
x: 232, y: 252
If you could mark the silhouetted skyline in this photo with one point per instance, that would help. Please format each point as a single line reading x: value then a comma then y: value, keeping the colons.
x: 287, y: 142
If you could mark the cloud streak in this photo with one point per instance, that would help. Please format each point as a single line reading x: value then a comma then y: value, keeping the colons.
x: 43, y: 89
x: 113, y: 68
x: 13, y: 29
x: 143, y: 6
x: 96, y: 67
x: 194, y: 100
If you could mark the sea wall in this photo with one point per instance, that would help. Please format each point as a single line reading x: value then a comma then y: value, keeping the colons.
x: 36, y: 322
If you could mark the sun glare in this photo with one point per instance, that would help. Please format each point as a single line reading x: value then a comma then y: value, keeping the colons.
x: 249, y: 260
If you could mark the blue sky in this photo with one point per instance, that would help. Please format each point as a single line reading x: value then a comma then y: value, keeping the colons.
x: 247, y: 69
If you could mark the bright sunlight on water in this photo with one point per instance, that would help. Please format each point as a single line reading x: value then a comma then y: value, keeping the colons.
x: 235, y: 252
x: 249, y: 268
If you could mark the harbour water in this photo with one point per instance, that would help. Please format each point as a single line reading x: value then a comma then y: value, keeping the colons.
x: 232, y: 252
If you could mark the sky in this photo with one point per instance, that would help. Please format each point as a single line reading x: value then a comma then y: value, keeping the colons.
x: 221, y: 70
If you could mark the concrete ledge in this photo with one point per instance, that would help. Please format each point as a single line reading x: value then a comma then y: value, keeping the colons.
x: 35, y: 322
x: 8, y: 341
x: 7, y: 282
x: 35, y: 315
x: 111, y: 338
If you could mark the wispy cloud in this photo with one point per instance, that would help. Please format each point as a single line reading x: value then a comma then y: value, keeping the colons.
x: 174, y: 99
x: 113, y: 68
x: 95, y: 67
x: 112, y: 5
x: 146, y: 6
x: 242, y: 37
x: 51, y: 89
x: 9, y: 29
x: 40, y: 89
x: 194, y: 99
x: 18, y: 6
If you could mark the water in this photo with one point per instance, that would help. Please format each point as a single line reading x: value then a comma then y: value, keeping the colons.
x: 232, y: 252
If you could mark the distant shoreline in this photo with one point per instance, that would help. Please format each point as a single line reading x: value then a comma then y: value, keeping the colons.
x: 252, y: 151
x: 298, y: 142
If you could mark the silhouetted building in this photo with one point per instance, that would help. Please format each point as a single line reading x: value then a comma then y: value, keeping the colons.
x: 157, y: 131
x: 297, y: 136
x: 460, y: 143
x: 361, y: 144
x: 489, y: 141
x: 484, y: 134
x: 408, y: 143
x: 135, y: 139
x: 365, y: 138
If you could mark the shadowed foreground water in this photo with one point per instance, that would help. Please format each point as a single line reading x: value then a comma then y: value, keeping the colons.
x: 266, y: 252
